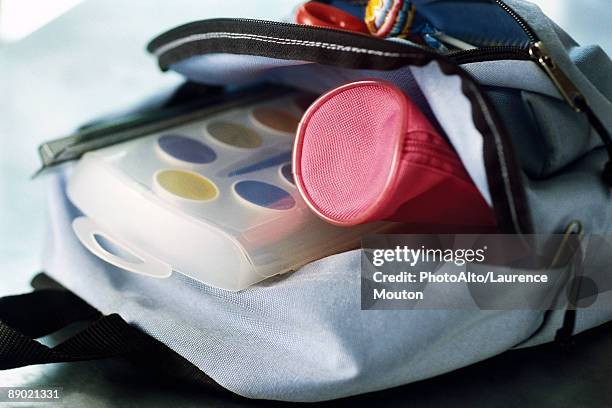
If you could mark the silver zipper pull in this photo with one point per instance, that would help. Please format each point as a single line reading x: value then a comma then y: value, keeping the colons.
x: 566, y: 87
x: 575, y: 99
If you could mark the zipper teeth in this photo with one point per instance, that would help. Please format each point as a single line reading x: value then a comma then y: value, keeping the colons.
x: 520, y: 21
x: 512, y: 51
x: 497, y: 52
x: 463, y: 56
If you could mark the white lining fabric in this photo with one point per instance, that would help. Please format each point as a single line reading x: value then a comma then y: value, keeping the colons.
x: 453, y: 110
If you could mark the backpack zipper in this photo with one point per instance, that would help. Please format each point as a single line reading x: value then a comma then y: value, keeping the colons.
x: 566, y: 87
x: 490, y: 53
x: 538, y: 52
x: 533, y: 37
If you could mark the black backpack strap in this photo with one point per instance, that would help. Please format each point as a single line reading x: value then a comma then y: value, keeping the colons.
x: 108, y: 336
x: 26, y: 317
x: 44, y: 311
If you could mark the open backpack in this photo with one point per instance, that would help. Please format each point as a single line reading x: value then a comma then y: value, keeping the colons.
x: 529, y: 112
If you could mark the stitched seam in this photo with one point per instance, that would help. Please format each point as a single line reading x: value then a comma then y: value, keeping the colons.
x: 274, y: 40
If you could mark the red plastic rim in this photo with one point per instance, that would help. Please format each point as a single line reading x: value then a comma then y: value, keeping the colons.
x: 322, y: 15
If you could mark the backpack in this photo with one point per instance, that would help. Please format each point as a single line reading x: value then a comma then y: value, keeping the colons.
x: 529, y: 113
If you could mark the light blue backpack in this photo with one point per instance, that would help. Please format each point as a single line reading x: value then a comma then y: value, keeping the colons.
x: 530, y: 114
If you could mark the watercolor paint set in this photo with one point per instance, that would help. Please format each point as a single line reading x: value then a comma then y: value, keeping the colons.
x: 213, y: 199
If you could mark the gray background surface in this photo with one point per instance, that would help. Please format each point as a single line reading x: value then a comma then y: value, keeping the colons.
x: 91, y: 61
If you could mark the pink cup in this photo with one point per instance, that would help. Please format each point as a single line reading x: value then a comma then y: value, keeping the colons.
x: 365, y: 152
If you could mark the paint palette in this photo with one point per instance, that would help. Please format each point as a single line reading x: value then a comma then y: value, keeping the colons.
x: 213, y: 199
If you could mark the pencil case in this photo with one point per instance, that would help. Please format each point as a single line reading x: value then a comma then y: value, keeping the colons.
x: 364, y: 152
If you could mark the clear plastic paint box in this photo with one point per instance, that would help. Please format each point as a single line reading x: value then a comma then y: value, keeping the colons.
x: 213, y: 199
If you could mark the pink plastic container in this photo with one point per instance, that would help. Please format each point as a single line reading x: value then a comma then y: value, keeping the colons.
x: 365, y: 152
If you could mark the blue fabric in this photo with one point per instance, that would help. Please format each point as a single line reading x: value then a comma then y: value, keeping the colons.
x: 480, y: 22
